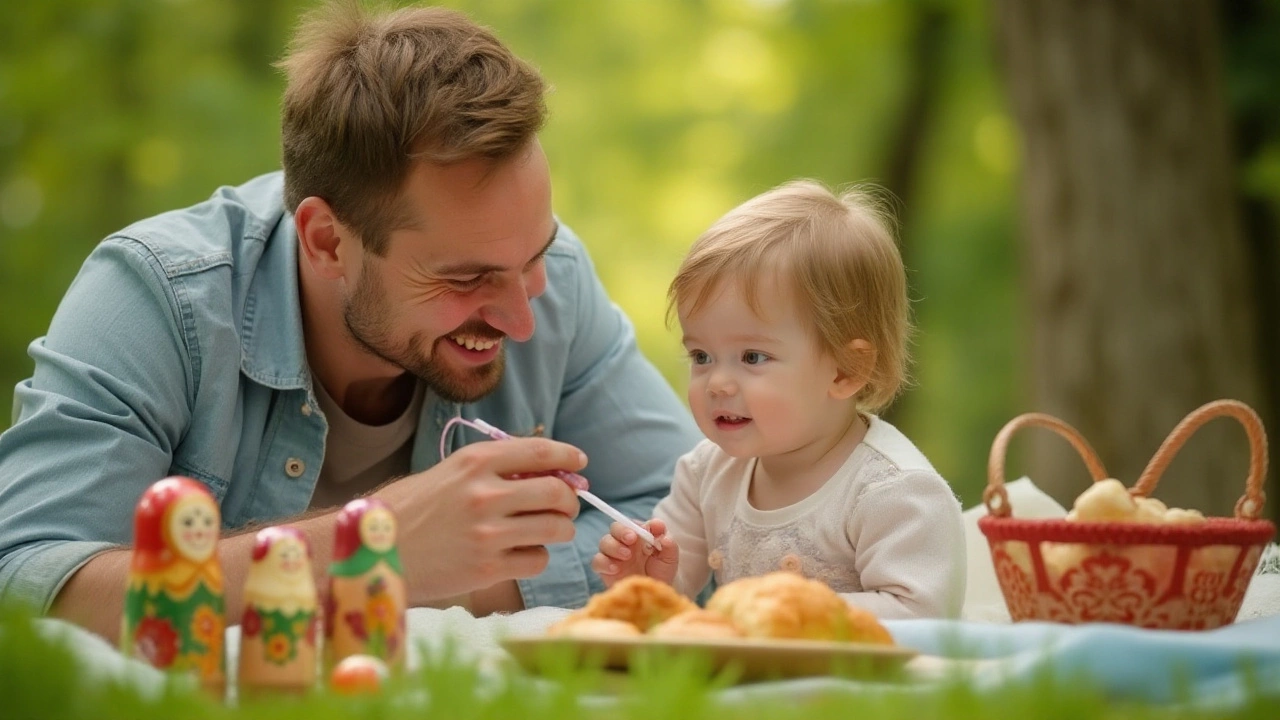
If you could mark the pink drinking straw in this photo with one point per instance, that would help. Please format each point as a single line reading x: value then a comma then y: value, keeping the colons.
x: 574, y: 480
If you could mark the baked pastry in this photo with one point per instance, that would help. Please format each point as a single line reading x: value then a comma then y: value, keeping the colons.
x: 699, y: 624
x: 582, y: 627
x: 787, y: 605
x: 865, y: 627
x: 639, y: 600
x: 1109, y: 501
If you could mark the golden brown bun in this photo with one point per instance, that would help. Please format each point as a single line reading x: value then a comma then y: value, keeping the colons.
x: 639, y: 600
x: 865, y: 627
x: 696, y: 624
x: 578, y: 626
x: 787, y: 605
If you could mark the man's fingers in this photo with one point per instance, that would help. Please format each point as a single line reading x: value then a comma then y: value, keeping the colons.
x: 528, y: 455
x: 544, y: 528
x: 524, y: 562
x: 535, y: 495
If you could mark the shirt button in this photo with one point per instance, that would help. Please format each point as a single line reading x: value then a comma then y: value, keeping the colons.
x: 293, y: 467
x: 306, y: 409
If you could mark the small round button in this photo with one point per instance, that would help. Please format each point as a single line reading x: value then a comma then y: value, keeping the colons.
x: 293, y: 467
x: 306, y: 409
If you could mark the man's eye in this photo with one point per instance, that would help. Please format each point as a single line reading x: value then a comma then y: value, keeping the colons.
x: 466, y: 283
x: 753, y: 357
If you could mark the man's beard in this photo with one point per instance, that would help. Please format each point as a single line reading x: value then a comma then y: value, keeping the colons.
x: 365, y: 314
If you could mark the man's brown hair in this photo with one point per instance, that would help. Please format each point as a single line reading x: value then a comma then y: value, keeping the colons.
x: 368, y: 95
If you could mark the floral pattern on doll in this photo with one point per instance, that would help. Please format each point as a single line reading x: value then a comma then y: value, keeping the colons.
x: 278, y: 632
x: 173, y: 608
x: 366, y: 602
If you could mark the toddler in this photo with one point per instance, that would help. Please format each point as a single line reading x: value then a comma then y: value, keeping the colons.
x: 794, y: 314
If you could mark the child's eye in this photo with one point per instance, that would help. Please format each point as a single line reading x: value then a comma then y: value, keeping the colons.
x: 754, y: 357
x: 699, y: 357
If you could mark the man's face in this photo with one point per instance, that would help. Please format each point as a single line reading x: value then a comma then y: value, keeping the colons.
x: 456, y: 283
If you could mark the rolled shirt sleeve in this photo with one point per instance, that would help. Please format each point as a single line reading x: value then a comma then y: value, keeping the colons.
x: 94, y: 425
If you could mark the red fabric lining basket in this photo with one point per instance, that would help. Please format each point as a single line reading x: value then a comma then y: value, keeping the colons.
x: 1186, y: 577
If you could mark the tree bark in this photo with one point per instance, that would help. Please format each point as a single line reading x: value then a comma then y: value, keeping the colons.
x: 1136, y: 274
x: 927, y: 41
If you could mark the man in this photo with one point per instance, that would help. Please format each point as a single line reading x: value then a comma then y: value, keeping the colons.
x: 302, y: 339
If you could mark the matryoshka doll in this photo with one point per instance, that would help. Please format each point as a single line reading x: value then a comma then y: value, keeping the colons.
x: 364, y: 611
x: 173, y: 608
x: 278, y: 648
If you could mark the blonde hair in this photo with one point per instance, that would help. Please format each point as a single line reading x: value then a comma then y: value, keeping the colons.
x: 369, y: 95
x: 839, y: 257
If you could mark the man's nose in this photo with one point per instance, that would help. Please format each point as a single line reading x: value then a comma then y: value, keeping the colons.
x: 511, y: 311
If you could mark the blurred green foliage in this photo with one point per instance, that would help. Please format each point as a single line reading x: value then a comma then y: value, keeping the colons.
x: 664, y: 114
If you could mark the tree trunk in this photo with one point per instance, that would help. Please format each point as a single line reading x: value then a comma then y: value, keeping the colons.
x: 1135, y: 261
x: 927, y: 41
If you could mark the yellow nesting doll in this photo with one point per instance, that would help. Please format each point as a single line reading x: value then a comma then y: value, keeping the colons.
x: 173, y: 613
x: 278, y: 632
x: 364, y: 612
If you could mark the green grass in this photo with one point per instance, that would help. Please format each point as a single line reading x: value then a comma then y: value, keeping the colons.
x: 39, y: 679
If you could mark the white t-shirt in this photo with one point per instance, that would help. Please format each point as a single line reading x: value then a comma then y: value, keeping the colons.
x: 885, y: 531
x: 359, y: 457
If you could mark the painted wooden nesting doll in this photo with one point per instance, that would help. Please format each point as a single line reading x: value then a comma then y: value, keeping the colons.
x: 364, y: 610
x: 278, y: 648
x: 173, y: 608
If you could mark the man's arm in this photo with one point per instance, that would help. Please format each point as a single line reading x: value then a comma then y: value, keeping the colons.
x: 94, y: 596
x: 97, y: 423
x: 476, y: 526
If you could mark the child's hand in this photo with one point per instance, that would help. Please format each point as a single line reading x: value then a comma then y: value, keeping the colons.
x: 623, y: 553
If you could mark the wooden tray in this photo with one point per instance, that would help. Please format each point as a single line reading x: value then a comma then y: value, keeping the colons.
x: 754, y: 658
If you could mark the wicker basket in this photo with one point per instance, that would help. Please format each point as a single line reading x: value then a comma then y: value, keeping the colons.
x: 1187, y: 577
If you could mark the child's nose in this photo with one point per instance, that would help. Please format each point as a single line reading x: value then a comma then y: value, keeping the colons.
x: 720, y: 383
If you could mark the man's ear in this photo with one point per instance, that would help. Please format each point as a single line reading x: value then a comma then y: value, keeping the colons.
x: 850, y: 380
x: 325, y: 241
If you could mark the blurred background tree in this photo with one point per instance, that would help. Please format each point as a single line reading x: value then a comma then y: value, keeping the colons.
x: 664, y: 114
x: 1138, y: 265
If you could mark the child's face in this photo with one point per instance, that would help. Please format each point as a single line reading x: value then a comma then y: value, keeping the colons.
x: 758, y: 386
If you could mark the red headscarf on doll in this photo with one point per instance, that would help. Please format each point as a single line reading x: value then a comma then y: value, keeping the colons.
x: 152, y: 546
x: 346, y: 531
x: 267, y: 537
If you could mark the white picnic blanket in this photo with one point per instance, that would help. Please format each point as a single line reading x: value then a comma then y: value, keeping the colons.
x: 477, y: 639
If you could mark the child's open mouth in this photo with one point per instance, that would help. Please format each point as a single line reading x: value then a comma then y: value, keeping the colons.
x: 731, y: 422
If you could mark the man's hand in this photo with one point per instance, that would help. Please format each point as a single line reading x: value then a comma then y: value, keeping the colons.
x: 463, y: 525
x: 622, y: 554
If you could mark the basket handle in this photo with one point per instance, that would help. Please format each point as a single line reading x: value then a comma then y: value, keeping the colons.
x: 1249, y: 506
x: 995, y: 497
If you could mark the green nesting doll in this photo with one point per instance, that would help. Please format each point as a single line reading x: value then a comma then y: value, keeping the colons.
x: 364, y: 611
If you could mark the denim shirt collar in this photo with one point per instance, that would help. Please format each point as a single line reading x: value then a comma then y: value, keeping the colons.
x: 273, y: 351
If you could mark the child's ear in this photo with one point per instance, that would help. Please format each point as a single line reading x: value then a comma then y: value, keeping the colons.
x: 850, y: 380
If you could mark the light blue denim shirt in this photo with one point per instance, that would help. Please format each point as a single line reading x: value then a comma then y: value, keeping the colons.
x: 178, y: 350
